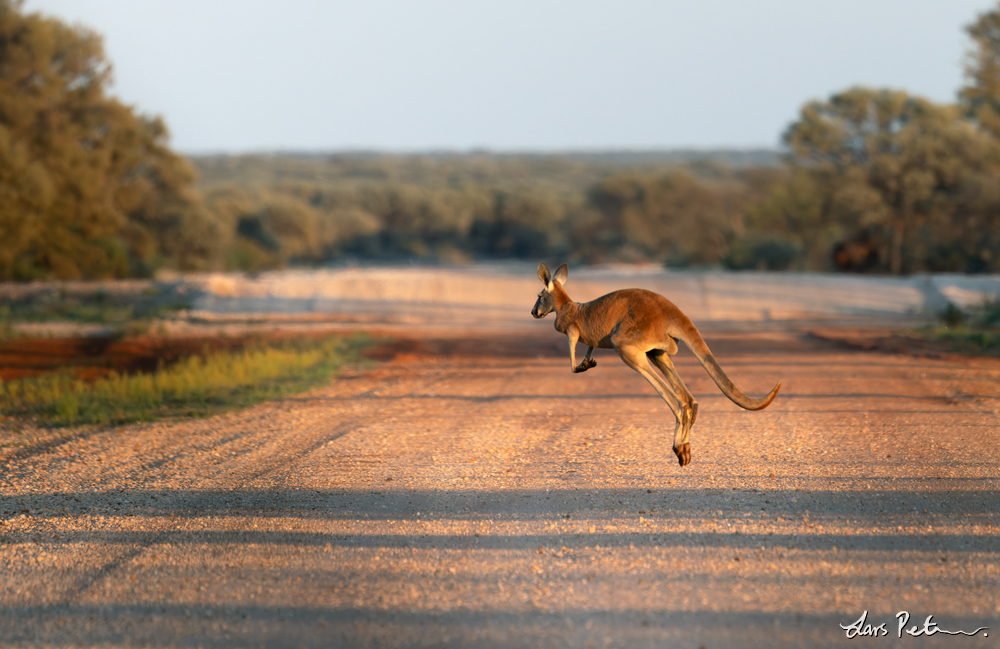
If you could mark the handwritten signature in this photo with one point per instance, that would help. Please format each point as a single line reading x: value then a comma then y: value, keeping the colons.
x: 861, y: 627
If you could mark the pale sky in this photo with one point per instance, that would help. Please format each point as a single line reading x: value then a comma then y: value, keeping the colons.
x: 402, y: 75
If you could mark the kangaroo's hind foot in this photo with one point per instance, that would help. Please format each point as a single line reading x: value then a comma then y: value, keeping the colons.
x: 683, y: 453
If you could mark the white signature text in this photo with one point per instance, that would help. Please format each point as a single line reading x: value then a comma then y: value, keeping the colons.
x: 862, y: 627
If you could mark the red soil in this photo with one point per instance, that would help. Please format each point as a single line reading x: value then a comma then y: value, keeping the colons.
x: 90, y: 358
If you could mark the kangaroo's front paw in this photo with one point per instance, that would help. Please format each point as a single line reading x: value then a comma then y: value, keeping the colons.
x: 683, y: 453
x: 584, y: 365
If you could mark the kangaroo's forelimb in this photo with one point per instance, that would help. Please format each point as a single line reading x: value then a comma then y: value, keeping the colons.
x: 573, y: 334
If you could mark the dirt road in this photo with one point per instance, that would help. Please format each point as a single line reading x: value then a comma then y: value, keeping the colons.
x: 475, y: 493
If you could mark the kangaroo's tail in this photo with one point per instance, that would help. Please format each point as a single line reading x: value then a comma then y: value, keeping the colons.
x: 696, y: 343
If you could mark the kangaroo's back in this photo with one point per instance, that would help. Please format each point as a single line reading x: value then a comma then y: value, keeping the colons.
x: 630, y: 309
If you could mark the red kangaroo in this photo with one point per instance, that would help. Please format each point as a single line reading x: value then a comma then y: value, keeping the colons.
x: 642, y: 327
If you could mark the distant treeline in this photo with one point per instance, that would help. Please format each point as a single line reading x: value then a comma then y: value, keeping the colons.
x: 287, y: 209
x: 870, y: 180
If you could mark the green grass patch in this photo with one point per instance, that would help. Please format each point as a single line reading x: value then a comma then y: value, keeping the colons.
x: 966, y: 338
x: 195, y: 386
x: 975, y: 329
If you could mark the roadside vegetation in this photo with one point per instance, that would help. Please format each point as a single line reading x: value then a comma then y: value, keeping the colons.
x: 974, y: 330
x: 124, y: 311
x: 199, y: 385
x: 872, y: 180
x: 88, y: 306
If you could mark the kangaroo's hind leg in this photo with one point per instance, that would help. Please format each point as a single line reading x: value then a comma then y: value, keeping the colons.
x: 689, y: 407
x: 635, y: 357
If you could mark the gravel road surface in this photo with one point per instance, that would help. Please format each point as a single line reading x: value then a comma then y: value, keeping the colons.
x: 470, y: 491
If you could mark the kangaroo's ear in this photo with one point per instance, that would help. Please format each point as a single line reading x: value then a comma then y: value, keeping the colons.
x: 544, y: 274
x: 562, y: 274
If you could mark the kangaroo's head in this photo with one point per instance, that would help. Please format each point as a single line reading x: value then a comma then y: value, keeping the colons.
x: 546, y: 302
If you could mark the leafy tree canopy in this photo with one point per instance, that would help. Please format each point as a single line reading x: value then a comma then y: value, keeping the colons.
x: 981, y: 94
x: 903, y: 165
x: 88, y: 188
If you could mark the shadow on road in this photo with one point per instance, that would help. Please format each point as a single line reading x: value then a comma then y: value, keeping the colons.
x: 890, y: 513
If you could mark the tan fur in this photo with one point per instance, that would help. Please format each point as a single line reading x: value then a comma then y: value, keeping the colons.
x: 643, y: 327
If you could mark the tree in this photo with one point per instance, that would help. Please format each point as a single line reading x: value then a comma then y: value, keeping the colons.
x: 88, y: 188
x: 787, y: 221
x: 675, y: 218
x: 888, y: 160
x: 981, y: 94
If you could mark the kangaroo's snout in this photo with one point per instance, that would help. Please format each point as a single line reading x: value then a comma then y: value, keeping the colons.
x: 543, y: 306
